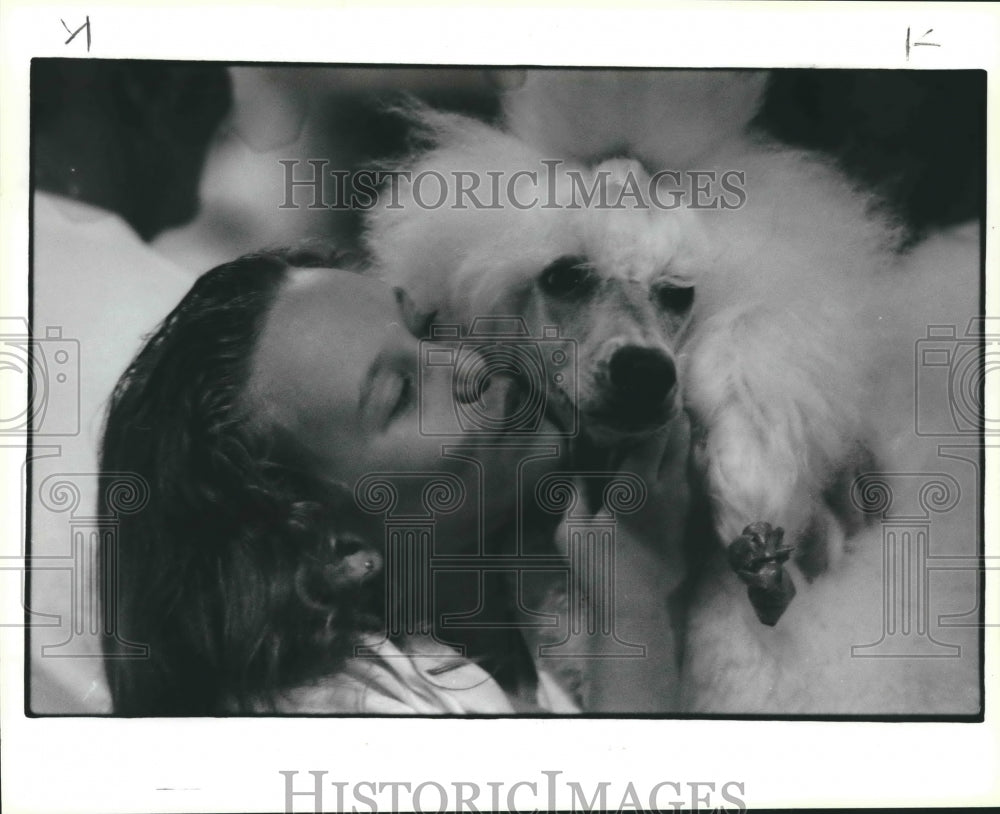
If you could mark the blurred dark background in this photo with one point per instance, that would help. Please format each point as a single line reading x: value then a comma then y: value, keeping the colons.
x: 919, y: 137
x: 146, y: 139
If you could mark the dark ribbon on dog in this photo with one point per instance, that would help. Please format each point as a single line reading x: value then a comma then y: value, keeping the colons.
x: 757, y: 557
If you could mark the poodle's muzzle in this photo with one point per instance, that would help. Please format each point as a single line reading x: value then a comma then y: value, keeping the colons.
x: 635, y: 391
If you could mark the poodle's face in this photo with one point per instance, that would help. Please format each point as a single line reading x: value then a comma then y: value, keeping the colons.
x: 625, y: 331
x: 617, y: 281
x: 619, y: 284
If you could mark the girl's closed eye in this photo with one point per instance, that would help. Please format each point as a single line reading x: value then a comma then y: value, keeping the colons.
x: 405, y: 397
x: 393, y: 397
x: 386, y: 395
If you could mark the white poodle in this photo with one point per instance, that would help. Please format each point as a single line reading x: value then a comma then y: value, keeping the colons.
x: 751, y: 292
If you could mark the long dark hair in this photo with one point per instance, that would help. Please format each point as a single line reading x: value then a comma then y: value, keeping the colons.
x: 224, y: 573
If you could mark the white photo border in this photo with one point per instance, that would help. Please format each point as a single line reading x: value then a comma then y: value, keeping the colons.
x: 188, y: 765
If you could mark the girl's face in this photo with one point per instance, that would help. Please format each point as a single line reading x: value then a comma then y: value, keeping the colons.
x: 336, y: 366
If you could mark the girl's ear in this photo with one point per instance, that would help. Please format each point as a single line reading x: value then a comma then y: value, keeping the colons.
x: 354, y: 561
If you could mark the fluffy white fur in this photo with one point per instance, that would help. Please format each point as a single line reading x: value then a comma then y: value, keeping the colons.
x: 782, y: 359
x: 805, y: 665
x: 772, y: 361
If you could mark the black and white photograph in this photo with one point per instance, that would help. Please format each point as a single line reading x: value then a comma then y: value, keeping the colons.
x: 362, y: 392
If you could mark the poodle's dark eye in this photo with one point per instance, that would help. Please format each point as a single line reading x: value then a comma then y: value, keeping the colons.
x: 674, y: 298
x: 568, y: 276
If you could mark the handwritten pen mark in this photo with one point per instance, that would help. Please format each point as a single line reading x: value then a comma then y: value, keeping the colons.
x: 72, y: 34
x: 916, y: 44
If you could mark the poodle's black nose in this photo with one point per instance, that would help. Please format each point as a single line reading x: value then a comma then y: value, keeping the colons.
x: 646, y: 375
